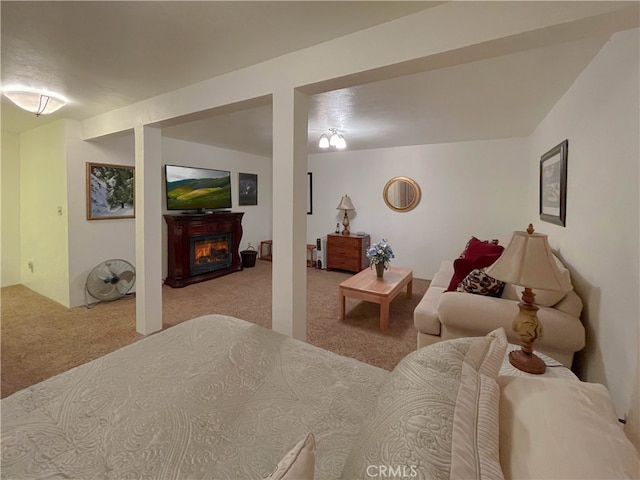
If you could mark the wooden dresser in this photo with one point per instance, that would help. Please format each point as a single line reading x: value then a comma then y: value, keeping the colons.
x: 347, y: 252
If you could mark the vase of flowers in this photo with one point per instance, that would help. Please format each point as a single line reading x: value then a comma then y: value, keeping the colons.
x: 380, y: 255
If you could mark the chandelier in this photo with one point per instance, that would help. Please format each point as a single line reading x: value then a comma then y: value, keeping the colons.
x: 333, y: 139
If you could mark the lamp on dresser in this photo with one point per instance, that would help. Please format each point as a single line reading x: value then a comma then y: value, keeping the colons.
x: 346, y: 205
x: 528, y: 262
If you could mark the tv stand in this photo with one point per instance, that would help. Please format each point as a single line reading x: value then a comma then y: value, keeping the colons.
x: 202, y: 211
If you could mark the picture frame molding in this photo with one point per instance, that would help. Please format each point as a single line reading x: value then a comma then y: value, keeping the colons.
x: 548, y: 213
x: 89, y: 197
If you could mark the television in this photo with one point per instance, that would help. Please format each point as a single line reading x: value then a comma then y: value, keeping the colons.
x: 199, y: 189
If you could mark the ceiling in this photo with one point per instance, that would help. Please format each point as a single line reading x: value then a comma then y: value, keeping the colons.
x: 106, y: 55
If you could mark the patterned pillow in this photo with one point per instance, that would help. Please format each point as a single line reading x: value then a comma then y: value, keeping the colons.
x: 463, y: 266
x: 436, y: 416
x: 480, y: 283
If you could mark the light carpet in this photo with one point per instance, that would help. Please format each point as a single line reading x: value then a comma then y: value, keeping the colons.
x: 41, y: 338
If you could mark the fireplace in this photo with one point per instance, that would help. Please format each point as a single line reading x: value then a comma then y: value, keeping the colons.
x: 202, y: 247
x: 210, y: 253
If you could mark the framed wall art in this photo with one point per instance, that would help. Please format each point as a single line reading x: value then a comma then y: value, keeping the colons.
x: 110, y: 191
x: 553, y: 184
x: 247, y: 189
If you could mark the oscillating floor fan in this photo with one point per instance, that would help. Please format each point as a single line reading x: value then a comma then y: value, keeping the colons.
x: 110, y: 280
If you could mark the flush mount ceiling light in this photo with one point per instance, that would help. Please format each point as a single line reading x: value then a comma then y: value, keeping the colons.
x: 40, y: 102
x: 334, y: 139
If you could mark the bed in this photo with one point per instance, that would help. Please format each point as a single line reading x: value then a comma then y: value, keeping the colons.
x: 218, y: 397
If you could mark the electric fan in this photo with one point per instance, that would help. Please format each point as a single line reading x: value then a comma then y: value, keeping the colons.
x: 110, y: 280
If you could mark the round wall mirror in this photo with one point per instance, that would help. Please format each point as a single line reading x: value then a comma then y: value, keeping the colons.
x: 401, y: 194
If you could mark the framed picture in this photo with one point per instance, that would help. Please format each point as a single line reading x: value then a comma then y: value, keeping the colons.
x: 553, y: 184
x: 247, y: 189
x: 110, y: 191
x: 309, y: 193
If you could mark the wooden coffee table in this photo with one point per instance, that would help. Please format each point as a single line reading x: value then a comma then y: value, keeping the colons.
x: 368, y: 287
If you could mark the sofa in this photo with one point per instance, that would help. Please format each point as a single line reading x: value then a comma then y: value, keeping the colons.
x: 448, y: 310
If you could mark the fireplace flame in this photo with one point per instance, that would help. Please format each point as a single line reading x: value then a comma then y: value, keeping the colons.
x: 207, y: 251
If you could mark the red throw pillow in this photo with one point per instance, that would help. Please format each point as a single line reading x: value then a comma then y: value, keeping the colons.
x: 476, y: 248
x: 463, y: 266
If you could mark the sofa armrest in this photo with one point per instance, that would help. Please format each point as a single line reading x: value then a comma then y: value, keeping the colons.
x: 466, y: 314
x: 442, y: 278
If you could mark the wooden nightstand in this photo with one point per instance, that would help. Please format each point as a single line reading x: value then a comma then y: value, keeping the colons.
x: 347, y: 252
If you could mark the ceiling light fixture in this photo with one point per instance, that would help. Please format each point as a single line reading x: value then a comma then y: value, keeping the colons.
x: 40, y: 102
x: 334, y: 139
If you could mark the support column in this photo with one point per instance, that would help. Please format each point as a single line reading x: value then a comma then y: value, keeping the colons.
x: 289, y: 294
x: 148, y: 175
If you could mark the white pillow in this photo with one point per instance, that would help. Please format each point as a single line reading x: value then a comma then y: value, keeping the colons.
x: 552, y: 428
x: 298, y: 463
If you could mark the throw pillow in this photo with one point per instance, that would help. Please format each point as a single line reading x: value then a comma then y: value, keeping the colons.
x: 479, y: 283
x: 475, y: 248
x: 463, y: 266
x: 436, y: 416
x: 298, y: 463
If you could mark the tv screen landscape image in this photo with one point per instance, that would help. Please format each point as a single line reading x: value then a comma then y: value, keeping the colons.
x: 190, y: 188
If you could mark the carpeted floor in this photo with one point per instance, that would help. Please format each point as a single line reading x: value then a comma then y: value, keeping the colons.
x: 41, y: 338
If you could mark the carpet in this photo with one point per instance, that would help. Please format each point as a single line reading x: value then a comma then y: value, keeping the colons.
x: 41, y: 338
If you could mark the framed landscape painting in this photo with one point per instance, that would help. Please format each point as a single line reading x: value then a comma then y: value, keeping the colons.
x: 110, y: 191
x: 553, y: 184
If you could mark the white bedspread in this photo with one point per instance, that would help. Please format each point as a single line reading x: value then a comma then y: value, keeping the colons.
x: 214, y: 397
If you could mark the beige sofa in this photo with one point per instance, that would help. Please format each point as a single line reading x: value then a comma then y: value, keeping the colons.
x: 442, y: 315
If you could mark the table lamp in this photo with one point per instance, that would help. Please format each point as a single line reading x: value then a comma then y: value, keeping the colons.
x: 346, y: 205
x: 528, y: 262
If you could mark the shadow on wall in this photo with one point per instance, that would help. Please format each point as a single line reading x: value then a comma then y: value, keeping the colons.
x: 588, y: 362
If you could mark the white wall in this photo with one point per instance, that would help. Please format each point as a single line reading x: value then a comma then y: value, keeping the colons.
x: 10, y: 174
x: 97, y: 240
x: 468, y: 188
x: 51, y: 166
x: 599, y: 115
x: 257, y: 219
x: 94, y: 241
x: 43, y: 189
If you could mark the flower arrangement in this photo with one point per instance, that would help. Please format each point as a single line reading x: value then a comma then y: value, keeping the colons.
x: 380, y: 252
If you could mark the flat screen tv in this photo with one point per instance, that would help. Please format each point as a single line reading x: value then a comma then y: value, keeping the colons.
x: 199, y: 189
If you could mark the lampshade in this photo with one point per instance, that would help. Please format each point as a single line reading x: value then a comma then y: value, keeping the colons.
x: 345, y: 204
x: 40, y: 102
x: 324, y: 141
x: 529, y: 262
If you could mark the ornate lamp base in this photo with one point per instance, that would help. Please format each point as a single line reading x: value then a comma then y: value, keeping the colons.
x: 527, y: 362
x: 345, y: 222
x: 529, y: 329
